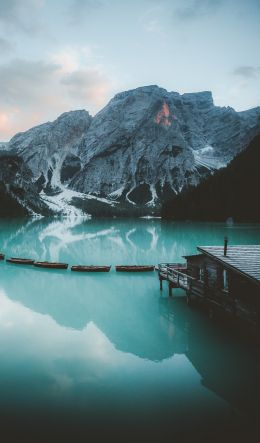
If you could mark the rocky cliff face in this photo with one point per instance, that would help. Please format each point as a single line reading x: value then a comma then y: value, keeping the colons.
x: 144, y: 147
x: 148, y: 144
x: 18, y: 194
x: 45, y: 148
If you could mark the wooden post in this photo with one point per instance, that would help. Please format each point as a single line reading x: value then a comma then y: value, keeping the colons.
x: 233, y: 293
x: 161, y: 284
x: 170, y: 289
x: 225, y: 245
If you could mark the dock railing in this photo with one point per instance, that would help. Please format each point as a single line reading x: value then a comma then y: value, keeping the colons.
x: 175, y: 274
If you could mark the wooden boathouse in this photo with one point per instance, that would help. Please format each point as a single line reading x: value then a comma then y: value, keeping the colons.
x: 224, y: 278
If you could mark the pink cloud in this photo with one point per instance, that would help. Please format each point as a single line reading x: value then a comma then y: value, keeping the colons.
x: 36, y: 92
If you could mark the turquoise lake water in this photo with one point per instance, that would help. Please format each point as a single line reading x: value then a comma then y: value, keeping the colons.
x: 92, y: 353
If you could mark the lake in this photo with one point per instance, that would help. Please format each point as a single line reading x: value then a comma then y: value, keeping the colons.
x: 100, y: 354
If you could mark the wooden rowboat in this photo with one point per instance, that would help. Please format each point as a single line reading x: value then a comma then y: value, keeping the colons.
x: 20, y: 261
x: 135, y: 268
x: 91, y: 268
x: 2, y: 256
x: 50, y: 265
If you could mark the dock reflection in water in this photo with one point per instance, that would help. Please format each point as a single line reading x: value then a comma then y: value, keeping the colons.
x: 94, y: 353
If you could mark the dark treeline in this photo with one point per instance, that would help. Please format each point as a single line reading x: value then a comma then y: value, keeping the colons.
x: 230, y: 192
x: 9, y: 205
x: 18, y: 194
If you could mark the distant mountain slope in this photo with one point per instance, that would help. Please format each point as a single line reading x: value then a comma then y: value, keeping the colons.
x: 46, y: 148
x: 148, y: 144
x: 18, y: 194
x: 231, y: 192
x: 145, y: 147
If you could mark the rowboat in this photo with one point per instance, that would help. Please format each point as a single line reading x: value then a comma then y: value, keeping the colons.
x: 50, y: 265
x: 2, y: 256
x: 20, y: 261
x: 91, y: 268
x: 134, y: 268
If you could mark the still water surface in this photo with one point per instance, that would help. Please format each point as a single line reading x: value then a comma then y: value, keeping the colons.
x: 81, y: 352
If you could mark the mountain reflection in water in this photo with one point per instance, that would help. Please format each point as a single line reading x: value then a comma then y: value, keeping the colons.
x: 111, y: 347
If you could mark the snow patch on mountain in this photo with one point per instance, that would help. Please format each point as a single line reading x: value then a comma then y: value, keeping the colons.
x: 144, y: 147
x: 117, y: 193
x: 127, y: 196
x: 61, y: 203
x: 206, y: 157
x: 154, y: 198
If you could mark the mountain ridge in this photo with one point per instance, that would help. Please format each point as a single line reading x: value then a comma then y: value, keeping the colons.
x: 144, y: 147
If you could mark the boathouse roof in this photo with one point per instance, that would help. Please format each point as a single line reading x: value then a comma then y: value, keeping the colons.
x: 242, y: 259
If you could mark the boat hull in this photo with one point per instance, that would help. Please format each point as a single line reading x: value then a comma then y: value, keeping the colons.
x: 51, y: 265
x: 135, y: 268
x: 20, y: 261
x: 2, y: 256
x: 90, y: 268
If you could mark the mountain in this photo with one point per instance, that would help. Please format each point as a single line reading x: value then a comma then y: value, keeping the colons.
x: 141, y: 150
x: 47, y: 147
x: 148, y: 144
x: 231, y: 192
x: 18, y: 194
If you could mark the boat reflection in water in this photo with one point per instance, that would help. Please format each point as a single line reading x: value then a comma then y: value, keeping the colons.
x: 83, y: 356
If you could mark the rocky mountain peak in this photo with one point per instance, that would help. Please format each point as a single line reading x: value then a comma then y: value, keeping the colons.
x: 45, y: 147
x: 203, y: 97
x: 144, y: 146
x: 79, y: 119
x: 149, y: 90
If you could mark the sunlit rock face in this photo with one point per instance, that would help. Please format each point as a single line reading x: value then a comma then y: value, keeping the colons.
x: 148, y: 144
x: 134, y: 149
x: 144, y: 147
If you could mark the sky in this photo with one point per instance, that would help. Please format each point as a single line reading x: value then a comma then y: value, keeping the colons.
x: 62, y: 55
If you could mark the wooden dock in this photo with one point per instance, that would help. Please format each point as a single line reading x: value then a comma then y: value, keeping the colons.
x: 224, y: 279
x: 176, y: 276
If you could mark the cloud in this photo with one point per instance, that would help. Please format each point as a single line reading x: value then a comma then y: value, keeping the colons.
x: 151, y: 19
x: 152, y: 26
x: 193, y: 9
x: 35, y: 91
x: 87, y: 85
x: 21, y: 15
x: 5, y: 123
x: 23, y: 82
x: 28, y: 92
x: 247, y: 71
x: 5, y: 46
x: 79, y: 10
x: 70, y: 58
x: 83, y: 75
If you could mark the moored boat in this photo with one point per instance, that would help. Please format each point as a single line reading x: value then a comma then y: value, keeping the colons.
x: 82, y: 268
x: 50, y: 265
x: 134, y: 268
x: 20, y: 261
x: 2, y: 256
